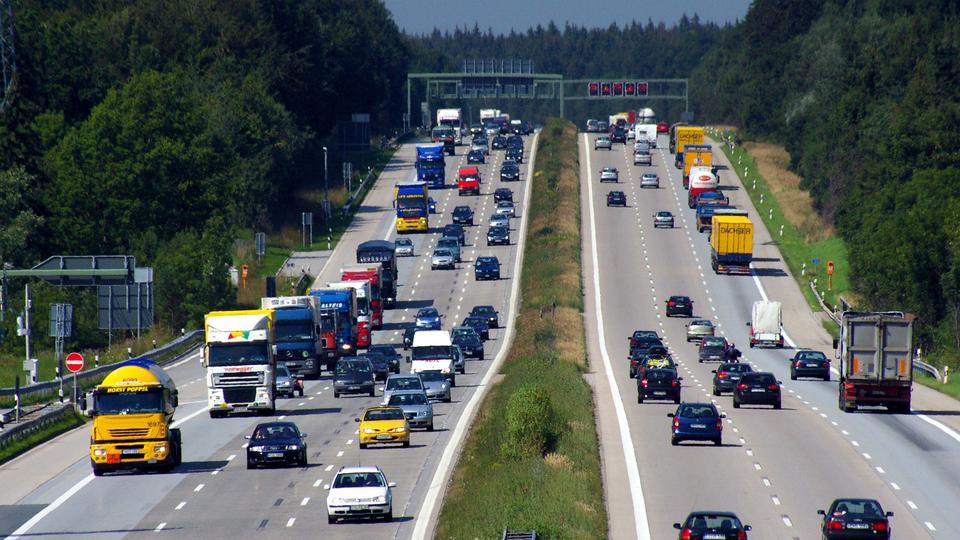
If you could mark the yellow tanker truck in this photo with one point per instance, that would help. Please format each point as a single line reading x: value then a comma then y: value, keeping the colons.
x: 132, y: 410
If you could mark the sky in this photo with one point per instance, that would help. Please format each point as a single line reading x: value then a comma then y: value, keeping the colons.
x: 422, y: 16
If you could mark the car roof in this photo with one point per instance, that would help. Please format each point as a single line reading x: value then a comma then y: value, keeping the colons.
x: 274, y: 424
x: 427, y: 310
x: 678, y: 296
x: 461, y: 207
x: 712, y: 513
x: 359, y: 469
x: 483, y: 306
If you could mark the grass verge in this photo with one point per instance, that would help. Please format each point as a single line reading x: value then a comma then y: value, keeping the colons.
x: 951, y: 388
x: 538, y: 467
x: 19, y: 446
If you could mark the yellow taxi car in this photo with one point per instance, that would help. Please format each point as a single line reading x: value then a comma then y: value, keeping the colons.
x: 383, y: 425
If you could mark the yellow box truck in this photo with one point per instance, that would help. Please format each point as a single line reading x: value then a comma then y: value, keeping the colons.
x: 686, y: 135
x: 731, y: 244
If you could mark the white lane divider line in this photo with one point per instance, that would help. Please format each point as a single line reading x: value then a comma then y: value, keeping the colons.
x: 198, y: 488
x: 895, y: 486
x: 304, y: 501
x: 320, y: 480
x: 180, y: 506
x: 164, y: 524
x: 766, y: 481
x: 340, y: 453
x: 912, y: 505
x: 775, y: 499
x: 786, y: 520
x: 231, y: 457
x: 290, y: 521
x: 930, y: 526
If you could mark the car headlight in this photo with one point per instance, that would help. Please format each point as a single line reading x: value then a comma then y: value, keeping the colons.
x: 256, y: 449
x: 284, y: 383
x: 159, y: 448
x: 99, y: 451
x: 399, y: 429
x: 293, y: 447
x: 422, y: 413
x: 381, y: 499
x: 369, y: 430
x: 306, y: 353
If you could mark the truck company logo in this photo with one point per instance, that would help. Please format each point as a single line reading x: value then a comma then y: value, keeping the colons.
x: 332, y: 305
x: 410, y: 195
x: 237, y: 369
x: 118, y: 390
x: 735, y: 230
x: 705, y: 178
x: 238, y: 334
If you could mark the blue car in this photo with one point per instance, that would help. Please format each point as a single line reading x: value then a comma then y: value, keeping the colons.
x: 432, y: 205
x: 696, y: 422
x: 428, y: 318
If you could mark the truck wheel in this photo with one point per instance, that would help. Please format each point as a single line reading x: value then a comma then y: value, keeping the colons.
x: 97, y: 471
x: 373, y: 392
x: 336, y: 394
x: 639, y: 397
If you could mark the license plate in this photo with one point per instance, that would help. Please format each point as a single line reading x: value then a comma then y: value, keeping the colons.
x: 127, y: 451
x: 358, y: 507
x: 714, y: 536
x: 383, y: 437
x: 698, y: 426
x: 858, y: 525
x: 758, y: 390
x: 353, y: 388
x: 812, y: 365
x: 275, y: 455
x: 659, y: 393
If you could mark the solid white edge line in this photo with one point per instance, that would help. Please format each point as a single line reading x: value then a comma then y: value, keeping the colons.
x: 941, y: 426
x: 23, y: 529
x: 422, y: 528
x: 630, y: 455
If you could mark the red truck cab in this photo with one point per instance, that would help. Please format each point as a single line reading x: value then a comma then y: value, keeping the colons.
x: 468, y: 180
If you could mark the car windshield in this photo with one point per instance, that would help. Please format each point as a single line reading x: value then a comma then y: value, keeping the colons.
x: 404, y: 383
x: 408, y: 399
x: 404, y: 242
x: 282, y: 371
x: 759, y: 378
x: 468, y: 332
x: 483, y: 310
x: 663, y: 214
x: 485, y: 261
x: 735, y: 368
x: 374, y: 415
x: 857, y: 507
x: 353, y: 367
x: 374, y: 359
x: 714, y: 342
x: 432, y: 376
x: 275, y: 432
x: 127, y: 402
x: 700, y: 522
x: 701, y: 323
x: 697, y: 411
x: 811, y: 355
x: 428, y: 312
x: 442, y: 252
x: 360, y: 479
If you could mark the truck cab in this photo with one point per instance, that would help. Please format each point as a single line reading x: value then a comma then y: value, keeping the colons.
x: 432, y: 350
x: 468, y: 181
x: 297, y: 340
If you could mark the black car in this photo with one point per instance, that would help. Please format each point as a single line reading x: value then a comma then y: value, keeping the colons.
x: 455, y: 230
x: 476, y: 156
x: 492, y: 315
x: 463, y: 215
x: 354, y: 376
x: 640, y: 354
x: 499, y: 142
x: 727, y: 375
x: 479, y: 324
x: 810, y: 364
x: 486, y: 268
x: 276, y: 442
x: 700, y: 525
x: 679, y: 305
x: 469, y: 341
x: 616, y: 198
x: 503, y: 194
x: 390, y: 352
x: 655, y: 359
x: 642, y: 335
x: 380, y: 363
x: 509, y: 171
x: 515, y: 142
x: 659, y: 384
x: 757, y: 388
x: 498, y: 236
x: 515, y: 154
x: 619, y: 136
x: 408, y: 333
x: 855, y: 519
x: 712, y: 349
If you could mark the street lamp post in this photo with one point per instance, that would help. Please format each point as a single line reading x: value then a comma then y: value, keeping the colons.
x: 326, y: 200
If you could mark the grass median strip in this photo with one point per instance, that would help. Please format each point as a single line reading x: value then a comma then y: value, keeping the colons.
x: 20, y: 445
x: 531, y: 460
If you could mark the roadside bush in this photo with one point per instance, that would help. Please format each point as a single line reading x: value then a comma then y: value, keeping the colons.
x: 531, y: 424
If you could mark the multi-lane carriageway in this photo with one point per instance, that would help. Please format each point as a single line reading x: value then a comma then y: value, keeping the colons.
x: 776, y: 467
x: 50, y: 492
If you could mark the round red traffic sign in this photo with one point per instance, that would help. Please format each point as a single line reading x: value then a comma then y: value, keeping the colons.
x: 74, y: 362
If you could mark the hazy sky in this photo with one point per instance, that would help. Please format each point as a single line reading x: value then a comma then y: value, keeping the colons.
x: 421, y: 16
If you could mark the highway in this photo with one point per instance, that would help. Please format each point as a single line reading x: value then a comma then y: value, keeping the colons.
x: 776, y: 467
x: 213, y: 495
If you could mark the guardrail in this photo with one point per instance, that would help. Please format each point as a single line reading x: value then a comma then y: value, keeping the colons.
x: 161, y: 355
x: 348, y: 206
x: 17, y: 431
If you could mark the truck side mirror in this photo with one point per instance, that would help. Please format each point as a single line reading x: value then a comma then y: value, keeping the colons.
x: 408, y: 359
x: 836, y: 343
x: 175, y: 398
x: 748, y: 323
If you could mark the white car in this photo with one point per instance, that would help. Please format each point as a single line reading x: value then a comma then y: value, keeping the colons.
x: 650, y: 179
x: 443, y: 258
x: 499, y: 220
x: 360, y: 492
x: 482, y: 147
x: 609, y: 174
x: 403, y: 247
x: 506, y: 208
x: 642, y: 158
x: 603, y: 141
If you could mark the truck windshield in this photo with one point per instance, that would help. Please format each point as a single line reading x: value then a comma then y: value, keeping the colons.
x: 129, y: 402
x: 294, y: 330
x: 237, y: 354
x: 327, y: 322
x: 363, y: 306
x: 432, y: 352
x: 429, y: 163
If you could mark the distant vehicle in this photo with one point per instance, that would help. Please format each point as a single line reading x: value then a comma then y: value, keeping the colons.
x: 463, y: 215
x: 603, y: 141
x: 602, y: 126
x: 455, y: 230
x: 459, y: 359
x: 591, y: 126
x: 502, y: 194
x: 436, y: 385
x: 480, y: 324
x: 451, y: 243
x: 640, y: 338
x: 288, y: 384
x: 727, y: 375
x: 380, y: 363
x: 469, y: 341
x: 809, y: 364
x: 468, y: 181
x: 354, y: 376
x: 649, y: 179
x: 698, y: 329
x: 415, y: 406
x: 731, y: 244
x: 757, y: 389
x: 408, y: 333
x: 498, y: 236
x: 492, y: 315
x: 642, y: 158
x: 476, y: 156
x: 499, y: 220
x: 499, y: 142
x: 766, y: 324
x: 697, y: 422
x: 855, y: 519
x: 653, y: 358
x: 509, y: 171
x: 487, y: 268
x: 714, y: 525
x: 712, y: 349
x: 276, y: 443
x: 479, y: 145
x: 506, y: 208
x: 403, y: 247
x: 659, y: 384
x: 515, y: 154
x: 609, y: 174
x: 616, y: 198
x: 515, y: 141
x: 443, y: 258
x: 619, y: 135
x: 663, y: 127
x: 406, y: 382
x: 679, y: 305
x: 383, y: 425
x: 428, y: 318
x: 431, y: 205
x: 886, y: 337
x: 663, y: 218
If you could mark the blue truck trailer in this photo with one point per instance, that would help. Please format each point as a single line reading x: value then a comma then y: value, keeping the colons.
x: 431, y: 166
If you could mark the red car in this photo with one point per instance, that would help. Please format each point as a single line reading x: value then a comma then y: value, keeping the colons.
x: 662, y: 127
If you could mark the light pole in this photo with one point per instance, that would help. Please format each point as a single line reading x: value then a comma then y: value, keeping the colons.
x: 326, y: 200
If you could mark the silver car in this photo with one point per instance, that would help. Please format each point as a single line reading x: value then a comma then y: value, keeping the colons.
x: 416, y: 407
x: 649, y: 179
x: 699, y: 329
x: 603, y: 141
x: 499, y: 220
x: 479, y: 146
x: 642, y: 158
x: 451, y: 243
x: 609, y: 174
x: 641, y: 146
x: 403, y: 247
x: 436, y: 385
x: 286, y: 383
x: 459, y: 360
x: 401, y: 383
x: 506, y: 208
x: 442, y: 258
x: 663, y: 218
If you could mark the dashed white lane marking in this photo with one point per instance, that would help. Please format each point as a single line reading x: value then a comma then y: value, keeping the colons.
x: 340, y: 453
x: 215, y: 472
x: 776, y: 501
x: 930, y: 526
x: 290, y: 522
x: 786, y: 521
x: 880, y: 470
x: 766, y: 481
x: 349, y: 441
x: 282, y: 416
x: 895, y: 486
x: 230, y: 457
x: 180, y: 506
x: 160, y: 527
x: 867, y: 456
x: 912, y: 505
x: 198, y: 488
x: 320, y: 480
x: 304, y: 501
x: 757, y: 466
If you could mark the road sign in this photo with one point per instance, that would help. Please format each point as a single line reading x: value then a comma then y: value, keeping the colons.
x: 829, y: 268
x: 816, y: 260
x: 74, y: 362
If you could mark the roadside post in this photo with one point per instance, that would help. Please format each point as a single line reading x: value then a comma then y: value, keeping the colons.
x: 74, y: 363
x: 829, y: 275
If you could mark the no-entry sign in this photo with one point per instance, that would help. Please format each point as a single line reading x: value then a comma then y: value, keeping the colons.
x: 74, y: 362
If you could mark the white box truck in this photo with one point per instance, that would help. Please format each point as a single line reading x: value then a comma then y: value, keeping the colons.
x: 454, y: 119
x: 766, y: 324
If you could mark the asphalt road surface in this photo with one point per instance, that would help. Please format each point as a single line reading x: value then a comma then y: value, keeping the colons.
x: 213, y: 495
x: 776, y: 467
